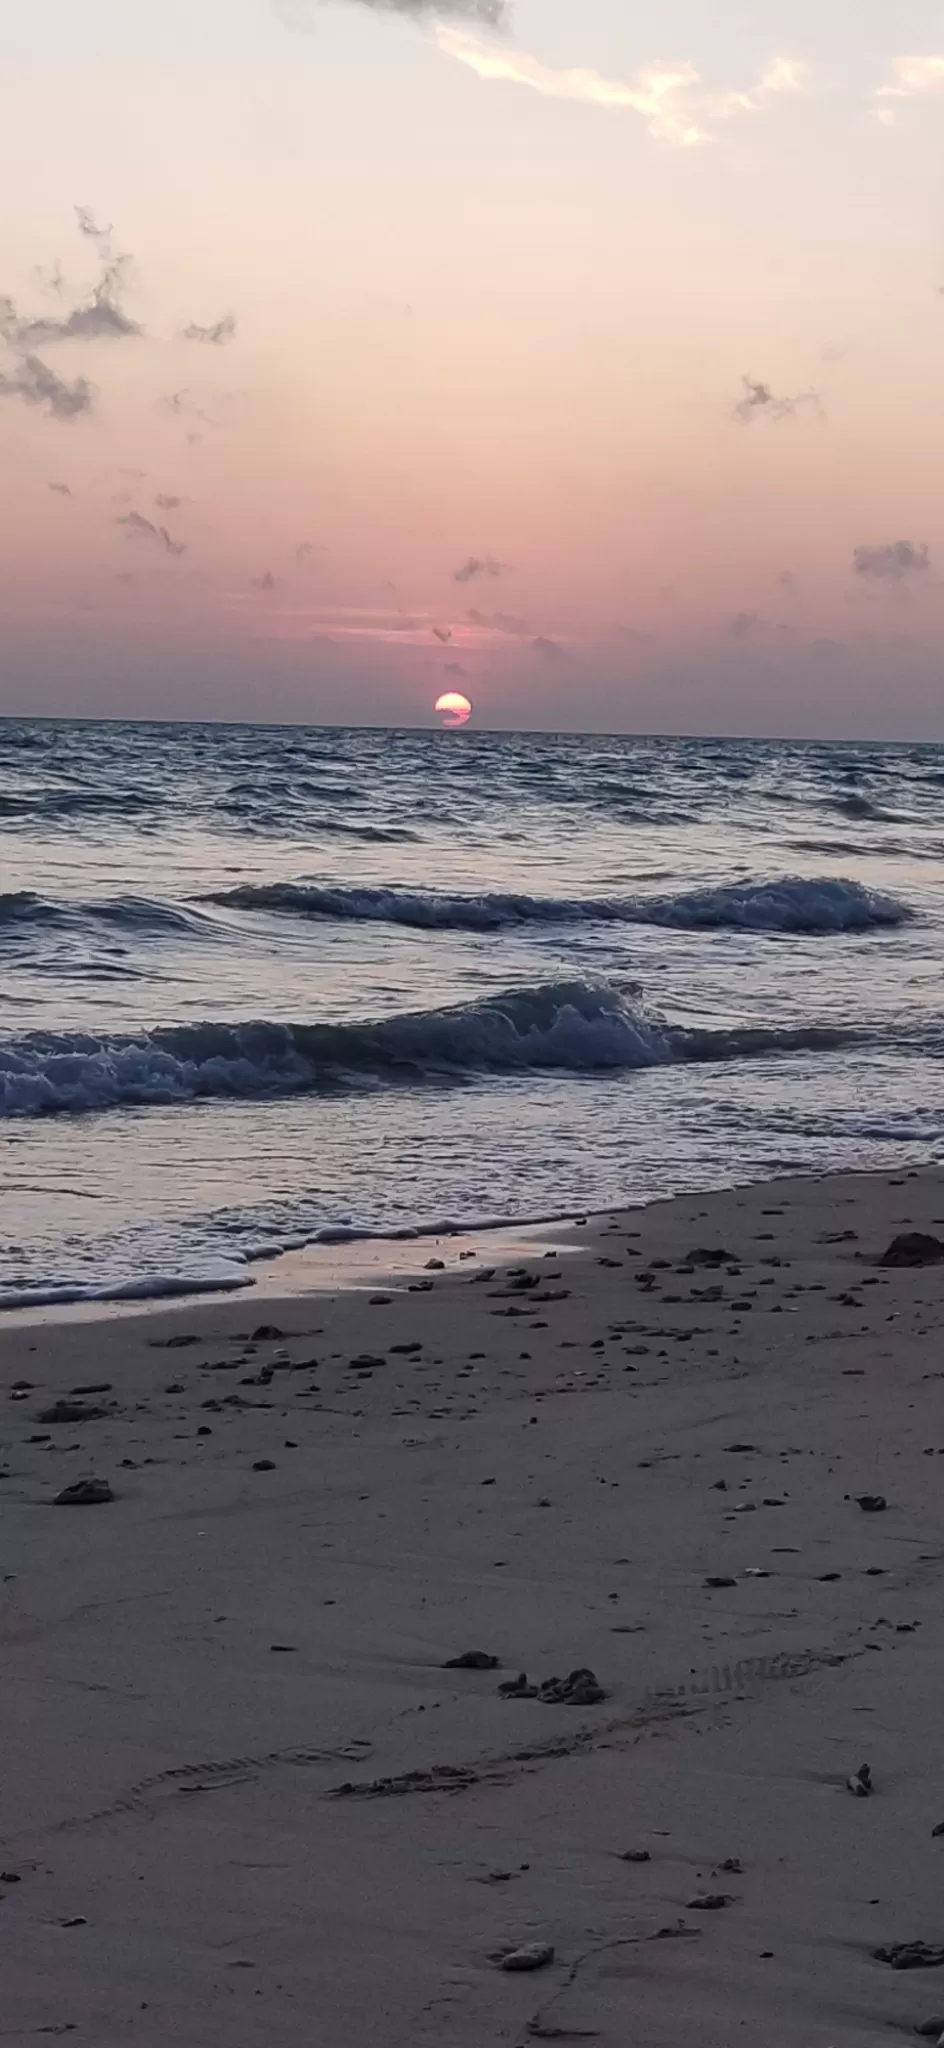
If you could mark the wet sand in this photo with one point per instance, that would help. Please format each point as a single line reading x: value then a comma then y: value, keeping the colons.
x: 246, y: 1803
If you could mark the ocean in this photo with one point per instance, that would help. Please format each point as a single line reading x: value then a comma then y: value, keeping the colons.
x: 268, y: 987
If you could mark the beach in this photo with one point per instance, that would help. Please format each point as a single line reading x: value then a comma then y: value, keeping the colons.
x: 689, y: 1451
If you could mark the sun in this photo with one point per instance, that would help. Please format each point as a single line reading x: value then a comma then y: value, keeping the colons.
x: 454, y: 709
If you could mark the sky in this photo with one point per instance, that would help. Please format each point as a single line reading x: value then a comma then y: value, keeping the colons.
x: 582, y: 356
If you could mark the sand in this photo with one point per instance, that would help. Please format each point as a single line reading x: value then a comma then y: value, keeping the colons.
x: 247, y: 1805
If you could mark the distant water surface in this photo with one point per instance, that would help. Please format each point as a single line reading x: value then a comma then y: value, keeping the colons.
x: 261, y: 987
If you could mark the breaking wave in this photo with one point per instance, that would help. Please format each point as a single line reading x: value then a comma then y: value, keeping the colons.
x: 576, y: 1027
x: 820, y: 905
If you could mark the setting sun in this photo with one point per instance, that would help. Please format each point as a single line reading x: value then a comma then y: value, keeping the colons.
x: 453, y: 708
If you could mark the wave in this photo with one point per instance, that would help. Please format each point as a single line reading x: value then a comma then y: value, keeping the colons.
x: 77, y: 803
x: 572, y: 1027
x: 143, y: 915
x: 819, y: 905
x: 857, y: 805
x: 372, y: 835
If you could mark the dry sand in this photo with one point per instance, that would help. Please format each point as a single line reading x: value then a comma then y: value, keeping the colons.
x: 247, y: 1805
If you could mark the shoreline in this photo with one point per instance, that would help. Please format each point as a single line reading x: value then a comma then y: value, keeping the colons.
x: 353, y: 1264
x: 350, y: 1265
x: 250, y: 1795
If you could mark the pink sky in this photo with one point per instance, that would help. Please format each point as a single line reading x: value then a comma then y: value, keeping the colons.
x: 570, y: 363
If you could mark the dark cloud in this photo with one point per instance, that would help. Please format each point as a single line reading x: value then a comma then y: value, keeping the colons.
x: 214, y: 337
x: 455, y: 668
x: 892, y: 562
x: 478, y: 565
x: 302, y: 553
x: 443, y: 633
x: 828, y: 650
x: 62, y: 490
x: 497, y: 622
x: 743, y: 624
x: 758, y: 401
x: 266, y: 582
x: 549, y: 650
x: 34, y: 382
x: 138, y: 528
x: 99, y: 318
x: 166, y: 502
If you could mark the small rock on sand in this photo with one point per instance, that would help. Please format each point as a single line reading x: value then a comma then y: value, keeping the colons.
x: 911, y: 1955
x: 84, y: 1493
x: 914, y: 1248
x: 472, y: 1660
x: 533, y: 1955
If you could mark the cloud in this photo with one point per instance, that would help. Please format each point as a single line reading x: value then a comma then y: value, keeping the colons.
x: 497, y: 622
x: 266, y: 582
x: 99, y: 318
x: 299, y: 14
x: 455, y: 668
x: 634, y: 636
x: 758, y: 401
x: 166, y: 502
x: 670, y: 98
x: 138, y: 528
x: 892, y: 562
x: 214, y: 337
x: 743, y: 625
x: 914, y: 78
x: 478, y: 565
x: 181, y: 403
x: 34, y: 382
x: 549, y: 650
x: 63, y: 490
x: 443, y: 633
x: 302, y: 553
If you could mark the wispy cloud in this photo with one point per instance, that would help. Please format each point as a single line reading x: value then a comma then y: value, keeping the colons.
x: 61, y: 490
x: 478, y: 565
x: 672, y: 99
x: 139, y: 528
x: 300, y: 14
x: 264, y: 582
x: 549, y: 650
x: 759, y: 401
x: 212, y: 337
x: 913, y: 78
x: 166, y: 502
x: 37, y: 385
x: 102, y: 317
x: 892, y: 562
x: 497, y: 622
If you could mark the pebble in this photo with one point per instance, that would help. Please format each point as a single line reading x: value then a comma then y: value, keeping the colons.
x: 84, y: 1493
x: 534, y: 1955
